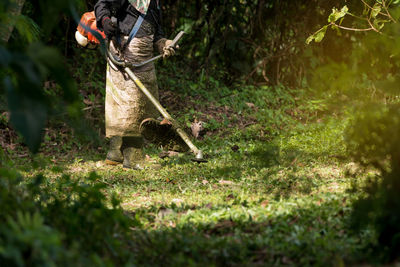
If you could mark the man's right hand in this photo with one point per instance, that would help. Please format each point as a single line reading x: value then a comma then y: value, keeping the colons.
x: 110, y: 29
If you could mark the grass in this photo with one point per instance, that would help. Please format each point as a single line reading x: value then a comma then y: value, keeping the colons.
x: 275, y: 192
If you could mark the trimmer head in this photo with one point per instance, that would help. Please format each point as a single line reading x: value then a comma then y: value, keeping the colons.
x: 199, y: 157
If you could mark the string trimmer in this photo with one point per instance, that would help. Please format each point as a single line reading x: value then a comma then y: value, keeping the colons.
x: 127, y: 67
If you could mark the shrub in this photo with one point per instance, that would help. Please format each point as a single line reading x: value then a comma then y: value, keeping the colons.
x: 66, y: 223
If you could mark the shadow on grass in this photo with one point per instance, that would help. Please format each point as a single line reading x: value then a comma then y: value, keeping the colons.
x: 273, y: 171
x: 312, y: 235
x: 280, y: 172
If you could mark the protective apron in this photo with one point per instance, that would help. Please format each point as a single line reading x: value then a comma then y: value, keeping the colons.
x: 126, y: 106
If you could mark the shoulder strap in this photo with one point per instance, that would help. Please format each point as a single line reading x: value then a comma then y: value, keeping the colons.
x: 135, y: 29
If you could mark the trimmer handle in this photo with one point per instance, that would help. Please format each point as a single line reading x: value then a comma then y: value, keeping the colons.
x: 176, y: 39
x: 119, y: 62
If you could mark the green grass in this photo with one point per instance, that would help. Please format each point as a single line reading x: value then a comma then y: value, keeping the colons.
x: 276, y: 192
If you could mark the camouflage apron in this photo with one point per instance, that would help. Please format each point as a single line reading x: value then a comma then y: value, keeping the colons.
x: 126, y: 106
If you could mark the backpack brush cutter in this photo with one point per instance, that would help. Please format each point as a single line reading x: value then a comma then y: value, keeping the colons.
x: 128, y: 69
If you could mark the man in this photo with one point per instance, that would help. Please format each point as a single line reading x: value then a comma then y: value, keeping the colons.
x: 126, y: 106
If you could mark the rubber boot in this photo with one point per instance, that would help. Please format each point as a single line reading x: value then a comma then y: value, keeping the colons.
x: 114, y: 154
x: 134, y: 156
x: 133, y: 152
x: 162, y: 135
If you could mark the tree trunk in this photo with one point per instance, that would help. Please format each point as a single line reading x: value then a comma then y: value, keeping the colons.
x: 13, y: 10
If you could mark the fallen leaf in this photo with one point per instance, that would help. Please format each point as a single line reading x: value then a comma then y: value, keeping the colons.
x: 177, y: 201
x: 165, y: 122
x: 264, y: 203
x: 197, y: 128
x: 173, y: 154
x: 205, y: 182
x: 230, y: 196
x: 87, y: 102
x: 250, y: 105
x: 224, y: 182
x: 168, y: 180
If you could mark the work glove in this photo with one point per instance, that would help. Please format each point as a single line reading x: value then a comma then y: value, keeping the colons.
x: 110, y: 29
x: 164, y: 48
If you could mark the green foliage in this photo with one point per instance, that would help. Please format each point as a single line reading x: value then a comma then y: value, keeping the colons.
x: 367, y: 84
x: 10, y: 18
x: 373, y: 139
x: 27, y: 28
x: 337, y: 14
x: 318, y: 36
x: 332, y: 19
x: 64, y: 223
x: 378, y: 208
x: 23, y: 75
x: 85, y: 205
x: 28, y: 241
x: 373, y: 18
x: 24, y: 69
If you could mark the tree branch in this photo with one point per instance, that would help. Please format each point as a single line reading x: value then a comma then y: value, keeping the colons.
x: 381, y: 13
x: 387, y: 11
x: 353, y: 29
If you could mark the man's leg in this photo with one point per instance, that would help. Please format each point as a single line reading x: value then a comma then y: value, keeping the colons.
x: 133, y: 152
x: 114, y: 154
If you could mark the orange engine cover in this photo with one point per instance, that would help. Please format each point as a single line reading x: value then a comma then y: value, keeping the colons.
x: 88, y: 21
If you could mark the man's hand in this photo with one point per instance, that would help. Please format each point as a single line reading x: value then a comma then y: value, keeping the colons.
x: 110, y: 29
x: 164, y: 47
x: 168, y: 49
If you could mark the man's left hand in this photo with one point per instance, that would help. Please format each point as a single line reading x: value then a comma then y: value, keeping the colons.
x: 168, y: 49
x: 165, y: 48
